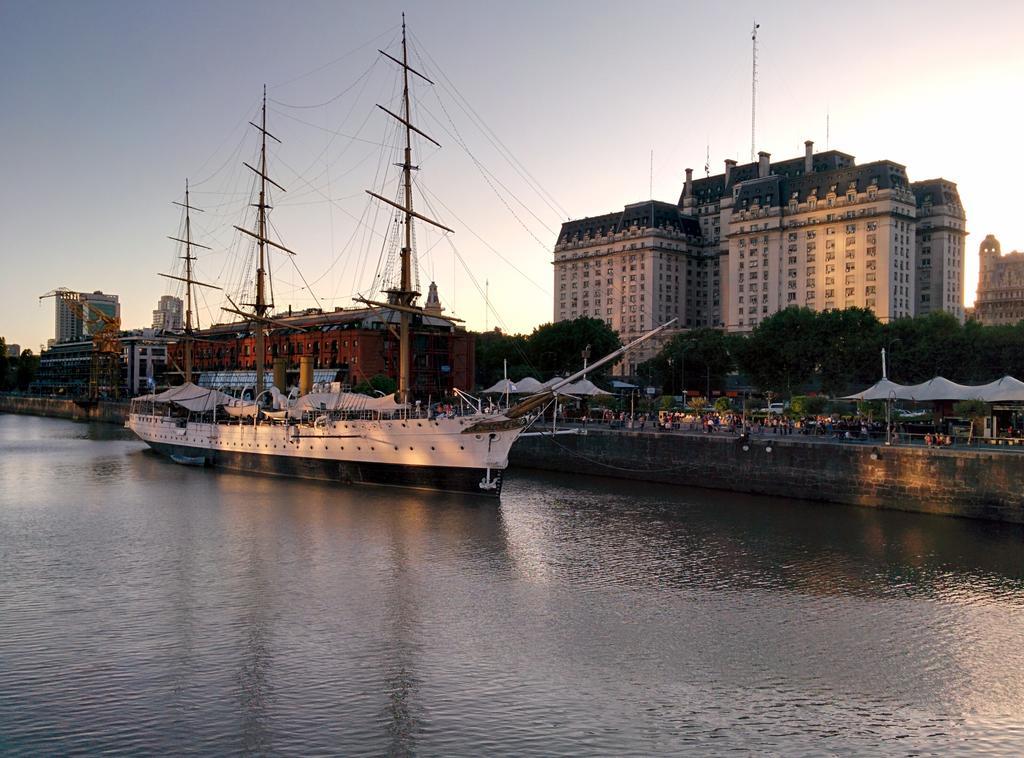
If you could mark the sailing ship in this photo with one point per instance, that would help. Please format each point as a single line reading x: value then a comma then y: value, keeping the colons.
x: 337, y: 436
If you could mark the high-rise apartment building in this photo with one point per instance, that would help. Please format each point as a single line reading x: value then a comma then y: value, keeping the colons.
x: 69, y: 324
x: 941, y: 240
x: 169, y: 314
x: 818, y: 231
x: 634, y: 269
x: 1000, y: 298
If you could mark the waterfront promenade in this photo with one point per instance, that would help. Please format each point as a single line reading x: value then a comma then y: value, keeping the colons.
x: 981, y: 481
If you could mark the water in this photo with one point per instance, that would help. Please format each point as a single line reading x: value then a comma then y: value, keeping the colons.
x: 147, y: 607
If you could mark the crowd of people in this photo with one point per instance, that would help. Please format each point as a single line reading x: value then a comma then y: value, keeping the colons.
x: 731, y: 422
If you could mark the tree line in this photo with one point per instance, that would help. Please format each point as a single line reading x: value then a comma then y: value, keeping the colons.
x: 549, y: 350
x: 16, y: 372
x: 792, y: 352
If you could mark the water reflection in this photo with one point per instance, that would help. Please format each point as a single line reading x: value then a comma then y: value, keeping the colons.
x: 169, y: 609
x: 609, y: 531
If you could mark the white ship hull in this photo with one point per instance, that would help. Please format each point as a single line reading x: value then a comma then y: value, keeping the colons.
x: 462, y: 454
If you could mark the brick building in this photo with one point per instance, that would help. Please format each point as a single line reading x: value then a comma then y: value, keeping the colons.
x: 356, y: 344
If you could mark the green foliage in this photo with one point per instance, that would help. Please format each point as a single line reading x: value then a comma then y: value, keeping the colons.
x: 28, y: 365
x: 696, y: 358
x: 697, y: 404
x: 975, y: 410
x: 551, y: 349
x: 804, y: 405
x: 972, y: 409
x: 871, y: 408
x: 5, y: 364
x: 558, y: 348
x: 379, y: 383
x: 783, y: 351
x: 849, y: 344
x: 722, y: 405
x: 493, y: 349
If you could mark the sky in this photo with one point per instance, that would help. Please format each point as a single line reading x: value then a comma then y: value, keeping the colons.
x: 544, y: 110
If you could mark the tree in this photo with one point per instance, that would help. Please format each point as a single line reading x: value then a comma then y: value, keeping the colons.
x: 558, y: 348
x: 697, y: 404
x: 783, y: 352
x: 5, y: 364
x: 722, y: 405
x: 975, y: 410
x: 378, y: 383
x: 871, y: 408
x: 929, y: 346
x: 26, y: 371
x: 493, y: 349
x: 804, y: 405
x: 849, y: 349
x: 698, y: 357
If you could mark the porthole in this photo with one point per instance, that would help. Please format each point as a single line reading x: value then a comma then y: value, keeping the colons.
x: 462, y: 447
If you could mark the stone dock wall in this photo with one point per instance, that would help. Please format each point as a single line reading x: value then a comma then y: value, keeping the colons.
x: 951, y: 482
x: 103, y: 410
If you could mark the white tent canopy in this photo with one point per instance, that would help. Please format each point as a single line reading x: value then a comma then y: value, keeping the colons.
x: 583, y: 387
x: 1005, y: 390
x: 528, y: 385
x: 193, y: 397
x: 941, y: 388
x: 342, y: 401
x: 882, y: 390
x: 501, y: 388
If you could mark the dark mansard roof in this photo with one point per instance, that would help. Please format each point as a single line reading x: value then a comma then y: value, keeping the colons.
x: 651, y: 214
x: 778, y: 190
x: 936, y: 192
x: 712, y: 188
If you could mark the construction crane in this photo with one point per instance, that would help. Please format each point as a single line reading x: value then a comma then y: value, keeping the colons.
x: 105, y: 364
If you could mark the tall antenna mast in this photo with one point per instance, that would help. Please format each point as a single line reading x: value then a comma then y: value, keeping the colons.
x: 190, y: 282
x: 828, y: 127
x: 650, y: 186
x: 707, y: 159
x: 403, y: 299
x: 753, y: 96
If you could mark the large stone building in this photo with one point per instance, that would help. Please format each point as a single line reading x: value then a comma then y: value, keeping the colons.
x: 1000, y: 297
x: 817, y: 231
x: 634, y: 269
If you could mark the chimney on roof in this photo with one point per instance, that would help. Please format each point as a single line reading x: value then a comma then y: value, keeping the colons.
x: 730, y: 164
x: 688, y: 184
x: 763, y: 164
x: 808, y: 156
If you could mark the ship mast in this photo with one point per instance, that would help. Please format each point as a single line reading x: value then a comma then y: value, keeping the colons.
x: 405, y: 295
x: 189, y: 337
x: 261, y: 229
x: 262, y: 305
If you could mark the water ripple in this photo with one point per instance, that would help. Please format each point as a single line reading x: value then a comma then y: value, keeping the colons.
x: 151, y: 608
